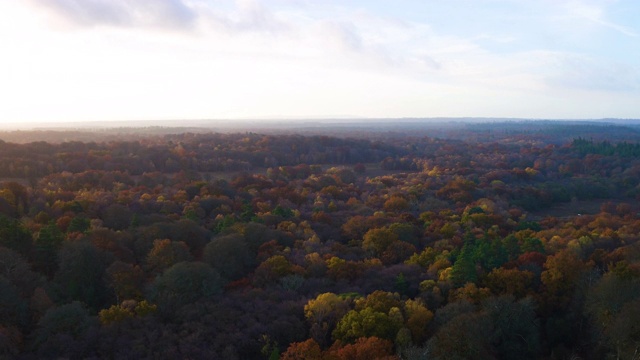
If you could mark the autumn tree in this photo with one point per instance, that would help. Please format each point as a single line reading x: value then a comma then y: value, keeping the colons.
x: 125, y: 280
x: 364, y: 348
x: 323, y: 313
x: 510, y: 281
x: 562, y: 274
x: 612, y: 306
x: 166, y: 253
x: 306, y: 350
x: 376, y: 241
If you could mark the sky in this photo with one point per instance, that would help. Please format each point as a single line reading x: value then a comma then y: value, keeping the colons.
x: 125, y: 60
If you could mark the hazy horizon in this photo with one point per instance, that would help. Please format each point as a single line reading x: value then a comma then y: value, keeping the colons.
x: 286, y: 123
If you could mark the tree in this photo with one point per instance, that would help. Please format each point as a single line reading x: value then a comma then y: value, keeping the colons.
x: 510, y: 282
x: 10, y: 342
x: 365, y: 323
x: 623, y: 335
x: 418, y: 317
x: 306, y: 350
x: 406, y: 232
x: 514, y: 327
x: 355, y: 227
x: 469, y: 292
x: 117, y: 217
x: 396, y: 204
x: 14, y: 236
x: 21, y: 195
x: 13, y: 309
x: 376, y: 241
x: 184, y: 283
x: 382, y: 301
x: 63, y: 332
x: 126, y: 310
x: 126, y: 280
x: 364, y: 348
x: 47, y: 244
x: 612, y: 307
x: 463, y: 337
x: 114, y: 314
x: 274, y: 268
x: 561, y: 276
x: 397, y: 252
x: 229, y: 255
x: 80, y: 275
x: 79, y: 224
x: 18, y: 272
x: 166, y: 253
x: 323, y: 313
x: 464, y: 269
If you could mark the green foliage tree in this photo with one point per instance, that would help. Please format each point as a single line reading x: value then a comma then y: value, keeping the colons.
x: 46, y: 248
x: 81, y: 274
x: 514, y: 330
x: 17, y: 271
x: 13, y: 235
x: 229, y: 255
x: 61, y: 330
x: 365, y: 323
x: 184, y: 283
x: 79, y: 224
x: 464, y: 268
x: 13, y: 309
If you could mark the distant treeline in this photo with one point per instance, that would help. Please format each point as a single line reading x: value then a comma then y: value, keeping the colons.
x: 625, y: 149
x: 187, y: 152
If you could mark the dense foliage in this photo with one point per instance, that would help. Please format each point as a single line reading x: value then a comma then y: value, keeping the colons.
x: 253, y: 246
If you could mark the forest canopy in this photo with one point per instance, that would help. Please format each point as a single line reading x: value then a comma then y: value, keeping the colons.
x: 477, y: 241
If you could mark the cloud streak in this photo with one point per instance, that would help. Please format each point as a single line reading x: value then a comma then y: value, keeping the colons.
x: 596, y: 15
x: 121, y: 13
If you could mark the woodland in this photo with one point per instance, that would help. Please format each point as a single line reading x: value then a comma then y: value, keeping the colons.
x: 514, y: 240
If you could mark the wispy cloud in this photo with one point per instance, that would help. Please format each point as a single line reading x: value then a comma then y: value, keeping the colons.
x: 245, y: 16
x: 596, y: 14
x: 129, y: 13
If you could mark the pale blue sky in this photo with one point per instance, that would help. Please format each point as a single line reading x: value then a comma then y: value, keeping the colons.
x: 100, y: 60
